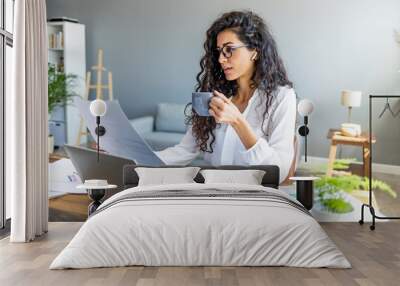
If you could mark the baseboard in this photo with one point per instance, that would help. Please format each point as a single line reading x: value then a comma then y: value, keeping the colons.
x: 376, y: 167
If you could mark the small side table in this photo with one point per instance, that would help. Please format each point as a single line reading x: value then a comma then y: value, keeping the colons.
x: 95, y: 193
x: 338, y: 139
x: 305, y: 190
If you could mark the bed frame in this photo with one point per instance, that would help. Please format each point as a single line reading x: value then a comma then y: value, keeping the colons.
x: 271, y: 178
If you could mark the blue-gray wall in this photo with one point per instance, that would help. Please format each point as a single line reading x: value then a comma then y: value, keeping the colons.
x: 153, y: 49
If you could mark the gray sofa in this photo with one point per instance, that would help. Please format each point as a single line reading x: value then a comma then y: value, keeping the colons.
x: 165, y: 129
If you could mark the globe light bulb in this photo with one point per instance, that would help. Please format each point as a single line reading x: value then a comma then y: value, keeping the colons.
x: 98, y: 107
x: 305, y: 107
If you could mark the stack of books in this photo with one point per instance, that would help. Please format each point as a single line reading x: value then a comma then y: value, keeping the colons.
x: 56, y: 40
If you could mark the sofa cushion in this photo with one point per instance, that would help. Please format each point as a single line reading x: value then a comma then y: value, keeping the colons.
x: 170, y: 117
x: 161, y: 140
x: 143, y: 124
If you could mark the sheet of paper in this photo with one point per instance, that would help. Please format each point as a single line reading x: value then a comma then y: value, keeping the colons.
x: 63, y: 178
x: 121, y: 139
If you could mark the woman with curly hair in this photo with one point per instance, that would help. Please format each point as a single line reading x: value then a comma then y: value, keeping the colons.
x: 253, y: 110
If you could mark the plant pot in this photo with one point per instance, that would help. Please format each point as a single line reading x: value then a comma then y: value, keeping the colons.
x: 50, y: 143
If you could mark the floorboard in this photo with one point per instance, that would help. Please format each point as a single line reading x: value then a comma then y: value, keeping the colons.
x: 374, y: 255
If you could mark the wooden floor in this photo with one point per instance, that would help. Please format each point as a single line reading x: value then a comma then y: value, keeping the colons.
x: 69, y: 208
x: 374, y: 255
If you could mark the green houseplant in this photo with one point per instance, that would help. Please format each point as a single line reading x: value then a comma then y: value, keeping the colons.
x: 330, y: 188
x: 60, y: 92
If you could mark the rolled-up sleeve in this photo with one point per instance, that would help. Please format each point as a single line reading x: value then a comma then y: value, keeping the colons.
x: 182, y: 153
x: 277, y: 148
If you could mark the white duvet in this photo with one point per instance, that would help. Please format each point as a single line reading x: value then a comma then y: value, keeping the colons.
x: 183, y: 231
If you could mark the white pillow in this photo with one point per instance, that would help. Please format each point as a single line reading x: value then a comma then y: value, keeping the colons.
x: 248, y: 177
x: 164, y: 176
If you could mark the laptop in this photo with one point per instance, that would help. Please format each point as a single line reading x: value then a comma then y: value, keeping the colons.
x: 108, y: 168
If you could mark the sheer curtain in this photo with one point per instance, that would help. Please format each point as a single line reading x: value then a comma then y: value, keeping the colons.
x: 26, y: 117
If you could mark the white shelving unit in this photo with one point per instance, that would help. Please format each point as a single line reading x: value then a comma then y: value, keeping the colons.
x: 66, y: 42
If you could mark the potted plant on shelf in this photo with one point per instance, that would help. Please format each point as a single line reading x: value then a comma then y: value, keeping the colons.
x: 60, y: 93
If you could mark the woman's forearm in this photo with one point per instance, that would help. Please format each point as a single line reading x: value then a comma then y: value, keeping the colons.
x: 245, y: 132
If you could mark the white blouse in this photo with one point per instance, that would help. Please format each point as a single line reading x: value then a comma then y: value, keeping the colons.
x: 275, y: 148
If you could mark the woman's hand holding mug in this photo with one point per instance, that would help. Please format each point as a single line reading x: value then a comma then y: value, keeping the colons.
x: 223, y: 109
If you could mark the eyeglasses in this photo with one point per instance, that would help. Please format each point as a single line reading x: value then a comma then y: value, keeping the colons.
x: 228, y: 50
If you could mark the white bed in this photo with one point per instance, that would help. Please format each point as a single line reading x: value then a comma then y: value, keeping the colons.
x: 258, y: 226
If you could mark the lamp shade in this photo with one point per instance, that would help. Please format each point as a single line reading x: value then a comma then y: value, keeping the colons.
x: 305, y: 107
x: 351, y: 98
x: 98, y: 107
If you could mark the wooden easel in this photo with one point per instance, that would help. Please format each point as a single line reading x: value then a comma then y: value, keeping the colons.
x: 99, y: 68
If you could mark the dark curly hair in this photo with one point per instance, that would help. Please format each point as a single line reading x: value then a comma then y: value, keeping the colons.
x: 268, y: 75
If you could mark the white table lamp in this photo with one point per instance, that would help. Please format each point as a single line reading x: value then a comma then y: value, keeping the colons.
x: 351, y: 99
